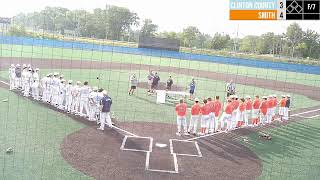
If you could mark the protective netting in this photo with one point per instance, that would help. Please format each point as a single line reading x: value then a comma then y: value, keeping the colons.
x: 66, y: 47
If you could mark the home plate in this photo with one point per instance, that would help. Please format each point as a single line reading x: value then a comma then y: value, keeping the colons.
x: 160, y: 145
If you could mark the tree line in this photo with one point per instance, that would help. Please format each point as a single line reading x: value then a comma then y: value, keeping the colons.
x: 119, y: 23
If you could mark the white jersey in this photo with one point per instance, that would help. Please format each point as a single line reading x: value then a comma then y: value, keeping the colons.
x: 75, y: 91
x: 93, y: 97
x: 27, y: 77
x: 85, y: 91
x: 69, y: 89
x: 12, y: 72
x: 55, y: 82
x: 99, y: 97
x: 35, y: 77
x: 62, y: 88
x: 24, y: 75
x: 44, y: 82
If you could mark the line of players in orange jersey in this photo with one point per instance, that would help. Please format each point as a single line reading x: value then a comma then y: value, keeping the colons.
x: 244, y: 112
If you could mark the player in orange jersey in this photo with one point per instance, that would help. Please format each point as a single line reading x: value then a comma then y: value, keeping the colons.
x: 205, y: 117
x: 282, y: 105
x: 263, y: 110
x: 195, y: 116
x: 255, y: 111
x: 217, y: 110
x: 211, y: 116
x: 248, y: 113
x: 242, y: 112
x: 235, y: 113
x: 270, y: 108
x: 181, y: 110
x: 226, y: 116
x: 275, y: 103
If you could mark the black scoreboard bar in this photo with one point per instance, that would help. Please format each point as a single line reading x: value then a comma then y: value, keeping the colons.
x: 302, y: 9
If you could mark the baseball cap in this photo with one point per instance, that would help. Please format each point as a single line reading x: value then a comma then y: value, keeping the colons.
x: 248, y: 97
x: 12, y: 65
x: 105, y: 92
x: 70, y: 81
x: 196, y: 99
x: 94, y: 88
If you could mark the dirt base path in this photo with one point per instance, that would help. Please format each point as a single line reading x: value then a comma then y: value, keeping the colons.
x: 309, y: 91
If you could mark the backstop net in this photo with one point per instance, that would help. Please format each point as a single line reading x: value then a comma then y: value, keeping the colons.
x: 96, y: 47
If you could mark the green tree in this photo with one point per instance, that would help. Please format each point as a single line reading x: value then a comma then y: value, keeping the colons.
x: 220, y: 41
x: 294, y: 36
x: 148, y: 28
x: 119, y: 20
x: 189, y: 36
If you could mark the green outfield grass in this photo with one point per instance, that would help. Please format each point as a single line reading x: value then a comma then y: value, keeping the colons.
x: 73, y: 54
x: 142, y: 107
x: 293, y: 153
x: 35, y: 133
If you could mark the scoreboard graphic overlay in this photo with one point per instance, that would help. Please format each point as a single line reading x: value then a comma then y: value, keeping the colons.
x: 274, y: 9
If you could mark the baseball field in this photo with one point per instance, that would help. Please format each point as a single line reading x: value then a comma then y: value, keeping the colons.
x: 50, y: 144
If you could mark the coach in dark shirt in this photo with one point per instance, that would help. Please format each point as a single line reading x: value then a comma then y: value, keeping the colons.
x: 105, y: 104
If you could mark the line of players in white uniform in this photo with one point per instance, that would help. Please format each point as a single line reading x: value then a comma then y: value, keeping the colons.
x: 79, y: 99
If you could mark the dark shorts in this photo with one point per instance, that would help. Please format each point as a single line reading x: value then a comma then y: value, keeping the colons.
x: 133, y: 87
x: 169, y: 87
x: 191, y: 91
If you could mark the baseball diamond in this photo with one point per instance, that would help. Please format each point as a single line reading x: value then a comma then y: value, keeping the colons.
x: 108, y: 94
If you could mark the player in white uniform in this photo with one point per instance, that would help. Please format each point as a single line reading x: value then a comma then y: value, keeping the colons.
x: 84, y: 99
x: 75, y: 98
x: 35, y: 84
x: 12, y: 76
x: 62, y: 94
x: 27, y: 78
x: 68, y: 103
x: 23, y: 76
x: 93, y: 108
x: 45, y: 87
x: 55, y: 89
x: 18, y: 76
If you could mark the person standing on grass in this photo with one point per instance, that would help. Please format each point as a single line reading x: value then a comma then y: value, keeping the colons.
x: 105, y: 107
x: 255, y: 111
x: 231, y: 88
x: 242, y: 112
x: 150, y: 80
x: 205, y: 117
x: 18, y: 76
x: 212, y: 119
x: 155, y: 82
x: 217, y: 110
x: 133, y: 84
x: 26, y: 81
x: 275, y: 103
x: 62, y: 94
x: 195, y: 116
x: 192, y: 88
x: 12, y: 76
x: 98, y: 99
x: 226, y: 116
x: 181, y: 110
x: 270, y: 108
x: 282, y: 105
x: 286, y: 108
x: 169, y: 83
x: 35, y: 84
x: 84, y: 99
x: 69, y: 89
x: 248, y: 113
x: 263, y: 110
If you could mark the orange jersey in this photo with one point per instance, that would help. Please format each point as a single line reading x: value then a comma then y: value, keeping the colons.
x: 249, y: 105
x: 235, y: 104
x: 211, y: 106
x: 283, y: 102
x: 181, y: 109
x: 264, y: 107
x: 205, y: 109
x: 217, y: 108
x: 270, y: 103
x: 242, y: 107
x: 229, y: 108
x: 256, y: 104
x: 195, y: 109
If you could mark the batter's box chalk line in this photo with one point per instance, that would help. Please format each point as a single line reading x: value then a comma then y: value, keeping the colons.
x: 175, y: 161
x: 185, y: 141
x: 136, y: 150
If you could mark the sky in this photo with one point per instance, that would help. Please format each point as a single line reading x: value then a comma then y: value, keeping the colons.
x: 210, y: 16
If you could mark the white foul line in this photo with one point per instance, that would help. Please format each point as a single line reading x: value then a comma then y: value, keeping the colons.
x: 5, y: 83
x: 305, y: 112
